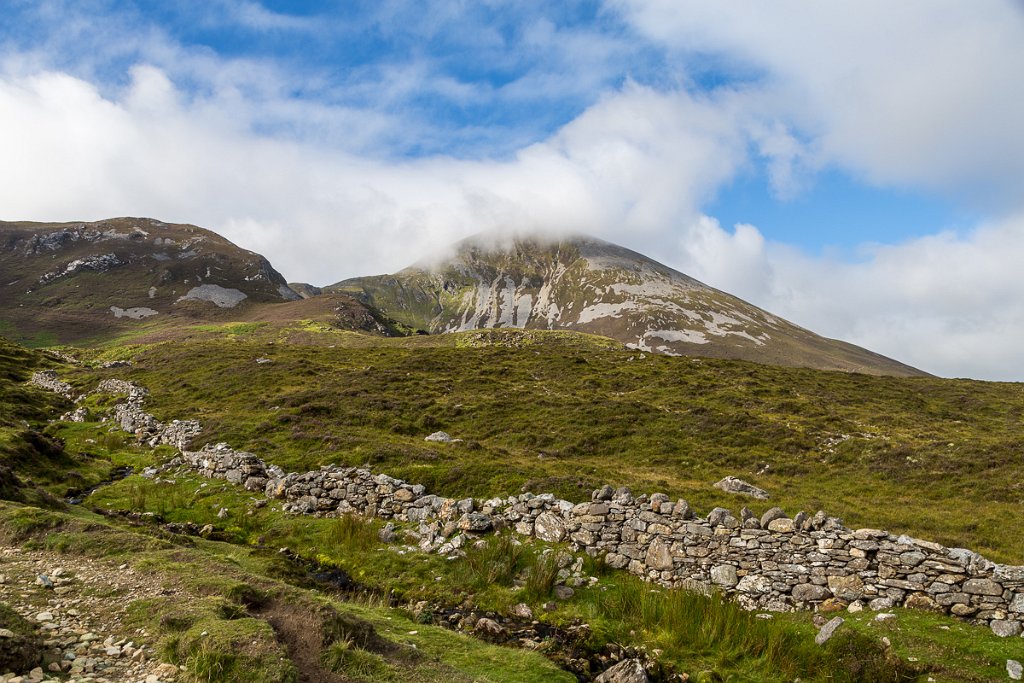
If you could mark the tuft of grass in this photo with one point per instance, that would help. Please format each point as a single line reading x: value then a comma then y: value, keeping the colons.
x: 495, y: 561
x: 352, y: 532
x: 540, y: 577
x: 696, y: 627
x: 360, y: 665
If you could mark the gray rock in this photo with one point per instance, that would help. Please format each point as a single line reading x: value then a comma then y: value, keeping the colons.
x: 724, y: 575
x: 808, y: 592
x: 682, y: 510
x: 880, y: 604
x: 846, y: 587
x: 1014, y: 669
x: 982, y: 587
x: 604, y: 493
x: 563, y: 592
x: 488, y: 627
x: 549, y: 527
x: 718, y: 516
x: 475, y: 521
x: 659, y: 555
x: 440, y: 437
x: 770, y: 515
x: 828, y: 630
x: 221, y: 297
x: 626, y: 671
x: 755, y: 584
x: 782, y: 525
x: 1005, y: 629
x: 523, y: 611
x: 731, y: 484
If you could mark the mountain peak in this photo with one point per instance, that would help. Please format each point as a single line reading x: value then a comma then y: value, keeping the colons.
x: 578, y: 282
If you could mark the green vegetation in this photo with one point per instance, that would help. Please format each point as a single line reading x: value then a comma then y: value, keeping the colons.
x: 593, y: 412
x: 940, y: 459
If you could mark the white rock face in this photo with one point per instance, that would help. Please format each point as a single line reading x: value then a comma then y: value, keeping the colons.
x: 215, y: 294
x: 136, y: 313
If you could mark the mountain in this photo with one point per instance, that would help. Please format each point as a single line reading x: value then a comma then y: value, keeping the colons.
x: 589, y: 285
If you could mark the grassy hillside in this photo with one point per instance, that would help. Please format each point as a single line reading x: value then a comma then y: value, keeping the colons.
x: 562, y: 412
x: 234, y: 608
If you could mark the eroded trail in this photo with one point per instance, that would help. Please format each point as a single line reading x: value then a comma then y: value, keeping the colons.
x: 77, y: 606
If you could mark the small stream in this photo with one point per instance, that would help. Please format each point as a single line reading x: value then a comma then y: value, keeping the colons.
x: 78, y: 496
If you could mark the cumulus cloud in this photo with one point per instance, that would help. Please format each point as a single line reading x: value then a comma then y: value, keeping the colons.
x: 918, y: 93
x: 635, y: 161
x: 949, y: 304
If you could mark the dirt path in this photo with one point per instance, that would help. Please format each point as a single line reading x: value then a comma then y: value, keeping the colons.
x: 77, y: 605
x: 302, y: 635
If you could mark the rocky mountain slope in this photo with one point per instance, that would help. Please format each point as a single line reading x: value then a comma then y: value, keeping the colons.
x: 588, y: 285
x: 72, y: 282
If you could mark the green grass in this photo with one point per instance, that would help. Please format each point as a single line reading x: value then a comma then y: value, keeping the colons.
x: 565, y: 413
x: 551, y: 412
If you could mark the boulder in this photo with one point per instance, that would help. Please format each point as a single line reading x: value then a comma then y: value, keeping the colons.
x: 549, y: 527
x: 626, y: 671
x: 731, y: 484
x: 1014, y: 669
x: 828, y: 630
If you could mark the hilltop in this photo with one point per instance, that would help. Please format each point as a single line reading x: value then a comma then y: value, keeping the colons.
x: 588, y: 285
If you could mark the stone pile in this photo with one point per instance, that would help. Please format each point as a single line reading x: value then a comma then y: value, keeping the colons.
x: 47, y: 379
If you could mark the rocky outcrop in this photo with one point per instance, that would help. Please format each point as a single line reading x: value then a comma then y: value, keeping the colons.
x: 99, y: 264
x: 222, y: 297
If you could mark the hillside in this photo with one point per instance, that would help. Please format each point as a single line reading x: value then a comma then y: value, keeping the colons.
x: 588, y: 285
x: 565, y: 412
x: 86, y: 282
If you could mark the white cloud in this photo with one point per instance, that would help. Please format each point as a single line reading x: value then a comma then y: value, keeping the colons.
x: 949, y: 304
x: 922, y: 93
x: 636, y: 161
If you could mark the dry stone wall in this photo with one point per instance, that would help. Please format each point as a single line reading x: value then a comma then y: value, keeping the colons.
x: 772, y: 562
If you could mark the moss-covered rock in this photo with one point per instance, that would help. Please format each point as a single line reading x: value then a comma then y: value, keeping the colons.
x: 21, y: 648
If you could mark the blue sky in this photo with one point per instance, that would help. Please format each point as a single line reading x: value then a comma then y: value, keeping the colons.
x: 801, y: 155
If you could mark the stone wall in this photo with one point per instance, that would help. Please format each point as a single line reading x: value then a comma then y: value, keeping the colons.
x: 773, y: 562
